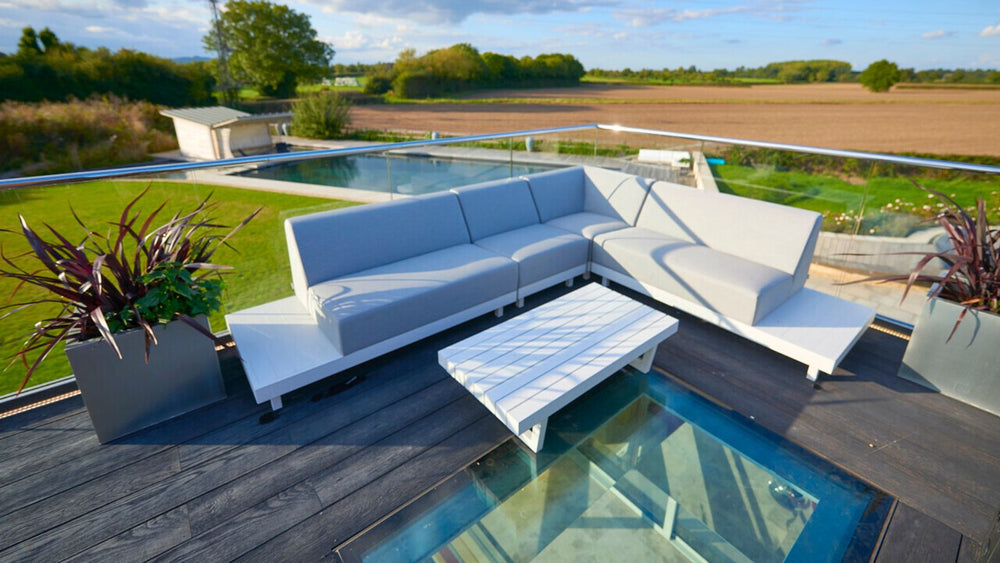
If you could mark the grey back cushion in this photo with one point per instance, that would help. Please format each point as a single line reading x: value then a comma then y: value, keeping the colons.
x: 557, y: 193
x: 775, y: 235
x: 614, y: 194
x: 497, y: 207
x: 323, y: 246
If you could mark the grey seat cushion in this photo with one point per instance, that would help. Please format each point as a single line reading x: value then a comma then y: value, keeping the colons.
x: 540, y: 251
x: 557, y: 192
x: 777, y: 236
x: 587, y: 225
x: 327, y: 245
x: 364, y: 308
x: 734, y: 287
x: 588, y: 190
x: 496, y: 207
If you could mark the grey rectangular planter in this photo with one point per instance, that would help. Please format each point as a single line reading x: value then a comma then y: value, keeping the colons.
x: 126, y: 395
x: 966, y: 368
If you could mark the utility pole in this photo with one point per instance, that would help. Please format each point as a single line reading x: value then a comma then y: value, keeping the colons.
x: 227, y: 88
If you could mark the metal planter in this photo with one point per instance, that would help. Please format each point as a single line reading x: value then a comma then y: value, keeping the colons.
x: 966, y: 368
x: 126, y: 395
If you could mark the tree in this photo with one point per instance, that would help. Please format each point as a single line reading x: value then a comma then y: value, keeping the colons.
x: 271, y: 46
x: 28, y: 44
x: 880, y: 76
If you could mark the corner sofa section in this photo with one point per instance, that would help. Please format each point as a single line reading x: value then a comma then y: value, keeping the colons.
x: 737, y: 257
x: 370, y: 273
x: 588, y: 201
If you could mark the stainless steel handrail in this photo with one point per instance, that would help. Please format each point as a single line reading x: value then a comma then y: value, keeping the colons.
x: 180, y: 166
x: 895, y: 159
x: 274, y: 157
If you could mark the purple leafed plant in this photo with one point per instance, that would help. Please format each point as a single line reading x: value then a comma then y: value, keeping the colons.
x: 972, y: 277
x: 133, y: 276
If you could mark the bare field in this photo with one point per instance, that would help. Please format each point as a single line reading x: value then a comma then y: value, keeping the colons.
x: 845, y: 116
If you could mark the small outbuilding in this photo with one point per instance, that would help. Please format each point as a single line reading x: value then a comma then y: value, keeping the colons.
x: 213, y: 133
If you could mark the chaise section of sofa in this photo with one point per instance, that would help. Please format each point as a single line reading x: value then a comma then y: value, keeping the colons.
x: 502, y: 218
x: 588, y: 201
x: 374, y: 272
x: 738, y: 257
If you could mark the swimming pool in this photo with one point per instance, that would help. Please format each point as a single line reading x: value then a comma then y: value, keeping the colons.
x: 640, y: 469
x: 410, y: 174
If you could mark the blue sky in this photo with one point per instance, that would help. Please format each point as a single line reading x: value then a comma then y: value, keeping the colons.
x: 601, y: 33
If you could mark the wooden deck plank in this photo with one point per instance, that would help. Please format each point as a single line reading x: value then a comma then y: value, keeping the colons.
x: 241, y: 532
x: 213, y: 509
x: 121, y: 515
x: 32, y: 418
x: 97, y: 460
x: 917, y: 538
x: 319, y: 535
x: 38, y: 517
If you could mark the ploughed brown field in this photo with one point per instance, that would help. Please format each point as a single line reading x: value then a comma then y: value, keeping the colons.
x: 846, y: 116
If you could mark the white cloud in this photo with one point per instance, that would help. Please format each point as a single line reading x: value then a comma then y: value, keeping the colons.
x: 938, y: 34
x: 453, y: 11
x: 831, y: 42
x: 5, y: 22
x: 990, y: 31
x: 97, y: 29
x: 349, y: 40
x: 645, y: 17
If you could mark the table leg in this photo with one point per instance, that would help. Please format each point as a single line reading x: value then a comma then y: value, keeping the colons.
x: 812, y: 374
x: 276, y: 403
x: 644, y: 363
x: 534, y: 436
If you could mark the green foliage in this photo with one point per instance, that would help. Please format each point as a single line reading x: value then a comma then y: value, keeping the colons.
x: 321, y: 116
x: 131, y: 275
x: 272, y: 46
x: 789, y: 72
x: 172, y: 291
x: 880, y: 76
x: 46, y: 69
x: 417, y: 84
x: 460, y: 67
x: 378, y: 84
x: 876, y: 199
x: 51, y: 137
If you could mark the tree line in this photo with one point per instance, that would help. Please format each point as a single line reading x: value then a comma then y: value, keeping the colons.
x: 45, y: 68
x: 461, y: 67
x: 792, y: 72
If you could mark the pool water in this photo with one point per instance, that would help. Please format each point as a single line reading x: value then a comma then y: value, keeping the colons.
x: 638, y: 470
x: 409, y: 174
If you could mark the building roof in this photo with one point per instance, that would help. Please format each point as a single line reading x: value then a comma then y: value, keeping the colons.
x: 210, y: 116
x: 218, y: 116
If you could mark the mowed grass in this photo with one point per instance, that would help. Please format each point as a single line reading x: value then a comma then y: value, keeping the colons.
x: 892, y: 206
x: 260, y: 257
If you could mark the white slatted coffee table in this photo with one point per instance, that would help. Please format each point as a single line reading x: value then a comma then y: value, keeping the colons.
x: 526, y: 369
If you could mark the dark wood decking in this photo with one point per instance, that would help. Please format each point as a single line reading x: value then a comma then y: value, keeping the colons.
x: 218, y: 484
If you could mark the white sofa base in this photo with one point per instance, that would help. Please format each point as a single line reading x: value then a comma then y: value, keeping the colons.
x: 810, y: 327
x: 548, y: 282
x: 282, y: 348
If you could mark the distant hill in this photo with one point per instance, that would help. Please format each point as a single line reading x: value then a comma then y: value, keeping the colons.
x: 183, y: 60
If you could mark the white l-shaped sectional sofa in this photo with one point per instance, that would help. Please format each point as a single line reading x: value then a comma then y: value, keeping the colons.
x: 373, y: 278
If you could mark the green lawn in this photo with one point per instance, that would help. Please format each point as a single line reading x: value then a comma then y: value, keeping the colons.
x: 892, y: 206
x: 251, y: 93
x: 261, y: 274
